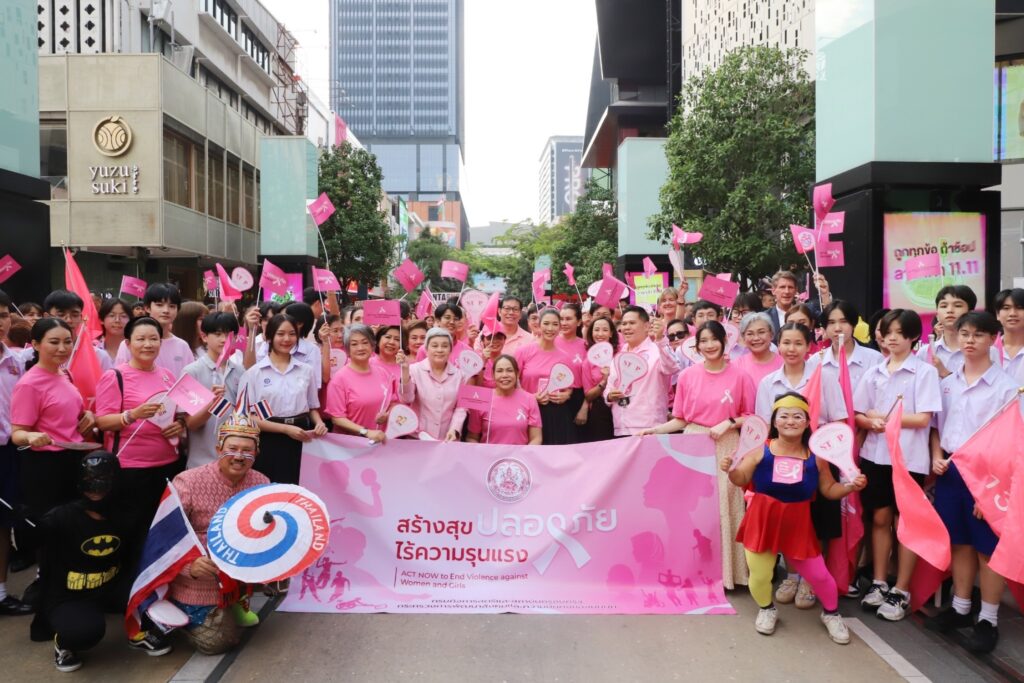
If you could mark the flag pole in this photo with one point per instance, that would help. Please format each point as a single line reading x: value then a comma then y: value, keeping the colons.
x: 143, y: 421
x: 8, y: 506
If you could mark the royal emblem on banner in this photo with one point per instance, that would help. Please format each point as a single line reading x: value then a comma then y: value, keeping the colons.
x: 509, y: 480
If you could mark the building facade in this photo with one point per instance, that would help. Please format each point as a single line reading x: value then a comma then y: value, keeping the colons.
x: 561, y: 177
x: 150, y: 127
x: 397, y: 78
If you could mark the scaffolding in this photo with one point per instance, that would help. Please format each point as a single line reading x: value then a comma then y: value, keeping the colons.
x: 289, y: 93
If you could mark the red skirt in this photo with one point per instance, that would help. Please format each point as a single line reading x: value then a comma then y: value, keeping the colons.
x: 770, y: 525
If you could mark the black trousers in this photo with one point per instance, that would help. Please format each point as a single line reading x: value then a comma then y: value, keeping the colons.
x: 80, y: 622
x: 280, y: 456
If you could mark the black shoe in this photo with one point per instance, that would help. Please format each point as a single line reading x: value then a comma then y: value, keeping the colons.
x: 152, y: 644
x: 65, y: 660
x: 13, y: 607
x: 948, y: 620
x: 32, y: 593
x: 984, y: 638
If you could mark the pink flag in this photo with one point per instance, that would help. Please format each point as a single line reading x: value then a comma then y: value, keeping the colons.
x: 610, y: 291
x: 718, y: 291
x: 273, y: 279
x: 830, y: 254
x: 408, y: 275
x: 324, y: 280
x: 209, y: 280
x: 986, y: 470
x: 919, y: 527
x: 928, y: 265
x: 823, y: 200
x: 681, y: 238
x: 8, y: 267
x: 1008, y: 558
x: 321, y: 209
x: 570, y: 274
x: 803, y: 239
x: 540, y: 278
x: 382, y: 312
x: 475, y: 398
x: 607, y: 271
x: 227, y: 290
x: 425, y: 306
x: 340, y: 131
x: 455, y: 270
x: 133, y: 285
x: 190, y: 395
x: 489, y: 316
x: 832, y: 224
x: 649, y: 267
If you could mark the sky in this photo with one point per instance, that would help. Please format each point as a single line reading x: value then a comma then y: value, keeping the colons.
x: 527, y: 74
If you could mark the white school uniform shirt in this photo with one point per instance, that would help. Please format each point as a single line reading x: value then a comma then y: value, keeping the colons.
x: 1014, y: 367
x: 289, y: 393
x: 12, y: 367
x: 965, y: 408
x: 175, y: 354
x: 202, y: 448
x: 305, y: 352
x: 776, y: 383
x: 953, y: 360
x: 858, y: 363
x: 918, y: 382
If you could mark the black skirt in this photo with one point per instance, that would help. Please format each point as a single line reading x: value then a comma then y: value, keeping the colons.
x: 599, y: 425
x: 280, y: 456
x: 557, y: 423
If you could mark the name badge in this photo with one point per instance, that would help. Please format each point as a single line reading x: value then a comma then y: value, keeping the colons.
x: 788, y: 470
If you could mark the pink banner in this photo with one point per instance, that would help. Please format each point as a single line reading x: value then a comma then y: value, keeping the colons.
x: 408, y: 275
x: 719, y: 291
x: 455, y: 270
x: 421, y: 527
x: 325, y: 281
x: 830, y: 254
x: 321, y: 209
x: 382, y: 312
x: 133, y: 285
x: 273, y: 279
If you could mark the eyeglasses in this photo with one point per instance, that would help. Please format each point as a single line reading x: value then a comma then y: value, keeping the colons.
x: 672, y: 336
x: 247, y: 455
x: 510, y: 310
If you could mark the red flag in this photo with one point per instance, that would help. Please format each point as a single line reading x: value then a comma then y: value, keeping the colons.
x: 190, y: 395
x: 84, y: 369
x: 227, y: 289
x: 74, y: 282
x: 812, y: 392
x: 425, y: 306
x: 273, y: 279
x: 919, y: 527
x: 489, y: 316
x: 983, y: 463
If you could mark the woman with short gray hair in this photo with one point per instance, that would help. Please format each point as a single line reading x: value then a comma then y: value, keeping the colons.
x: 760, y: 359
x: 360, y: 395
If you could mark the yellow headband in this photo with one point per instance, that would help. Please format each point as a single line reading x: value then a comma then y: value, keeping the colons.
x: 791, y: 402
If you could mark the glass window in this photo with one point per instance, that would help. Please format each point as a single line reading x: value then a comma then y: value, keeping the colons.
x: 176, y: 169
x: 53, y: 149
x: 200, y: 184
x: 432, y: 168
x: 234, y: 191
x: 256, y: 218
x: 398, y: 164
x: 215, y: 161
x: 248, y: 198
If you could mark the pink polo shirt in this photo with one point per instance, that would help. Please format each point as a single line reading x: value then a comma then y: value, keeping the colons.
x: 509, y: 419
x: 648, y: 396
x: 535, y: 365
x: 49, y: 403
x: 434, y: 399
x: 148, y: 447
x: 361, y: 396
x: 757, y: 371
x: 576, y: 350
x: 707, y: 398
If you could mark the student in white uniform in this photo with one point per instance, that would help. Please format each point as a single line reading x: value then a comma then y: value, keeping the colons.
x: 970, y: 397
x: 838, y: 319
x: 796, y: 371
x: 1009, y: 308
x: 951, y: 302
x: 918, y: 382
x: 223, y: 381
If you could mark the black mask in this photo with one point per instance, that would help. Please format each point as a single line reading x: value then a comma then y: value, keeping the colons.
x: 103, y: 507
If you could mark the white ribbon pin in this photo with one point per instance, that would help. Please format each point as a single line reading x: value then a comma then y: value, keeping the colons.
x: 727, y: 397
x: 520, y: 415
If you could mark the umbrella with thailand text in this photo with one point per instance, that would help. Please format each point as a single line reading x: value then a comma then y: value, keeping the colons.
x: 268, y: 533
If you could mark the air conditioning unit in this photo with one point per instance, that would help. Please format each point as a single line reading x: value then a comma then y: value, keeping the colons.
x: 182, y: 56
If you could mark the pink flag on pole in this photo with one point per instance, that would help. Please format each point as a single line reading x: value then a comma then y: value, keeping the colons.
x: 489, y: 316
x: 803, y: 239
x: 919, y: 527
x: 928, y: 265
x: 227, y: 290
x: 823, y: 200
x: 425, y: 306
x: 273, y: 279
x: 321, y: 209
x: 408, y: 275
x: 606, y: 270
x: 133, y: 285
x: 830, y: 254
x: 681, y: 238
x: 382, y: 312
x: 1008, y: 558
x: 610, y: 291
x: 649, y: 267
x: 209, y: 280
x: 475, y: 398
x: 8, y: 267
x: 540, y: 278
x: 190, y: 395
x: 719, y: 291
x: 570, y: 274
x: 832, y: 224
x: 455, y: 270
x: 325, y: 281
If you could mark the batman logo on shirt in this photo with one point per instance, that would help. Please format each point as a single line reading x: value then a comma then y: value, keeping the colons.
x: 101, y: 546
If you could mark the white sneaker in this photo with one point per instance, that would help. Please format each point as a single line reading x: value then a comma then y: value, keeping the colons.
x: 805, y: 597
x: 766, y: 618
x: 786, y: 591
x: 895, y: 607
x: 837, y: 630
x: 875, y: 596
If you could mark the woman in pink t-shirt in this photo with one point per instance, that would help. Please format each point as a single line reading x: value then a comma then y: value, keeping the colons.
x: 140, y: 425
x: 490, y: 348
x: 760, y: 361
x: 514, y: 417
x: 360, y: 396
x: 536, y: 362
x: 46, y: 411
x: 599, y: 425
x: 389, y: 344
x: 714, y: 398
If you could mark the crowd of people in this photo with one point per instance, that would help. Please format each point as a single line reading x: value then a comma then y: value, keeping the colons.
x: 318, y: 372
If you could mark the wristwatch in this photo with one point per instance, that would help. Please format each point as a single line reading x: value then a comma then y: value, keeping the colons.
x: 364, y: 431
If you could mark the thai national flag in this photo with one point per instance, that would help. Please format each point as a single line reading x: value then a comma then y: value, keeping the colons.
x: 170, y: 545
x: 263, y: 410
x: 220, y: 408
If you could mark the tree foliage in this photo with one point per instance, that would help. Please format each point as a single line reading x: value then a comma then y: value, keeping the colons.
x: 428, y: 251
x: 589, y: 239
x: 741, y: 160
x: 357, y: 235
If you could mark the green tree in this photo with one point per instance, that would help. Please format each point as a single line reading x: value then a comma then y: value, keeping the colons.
x: 588, y: 239
x: 528, y: 242
x: 427, y: 251
x: 741, y: 159
x: 357, y: 236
